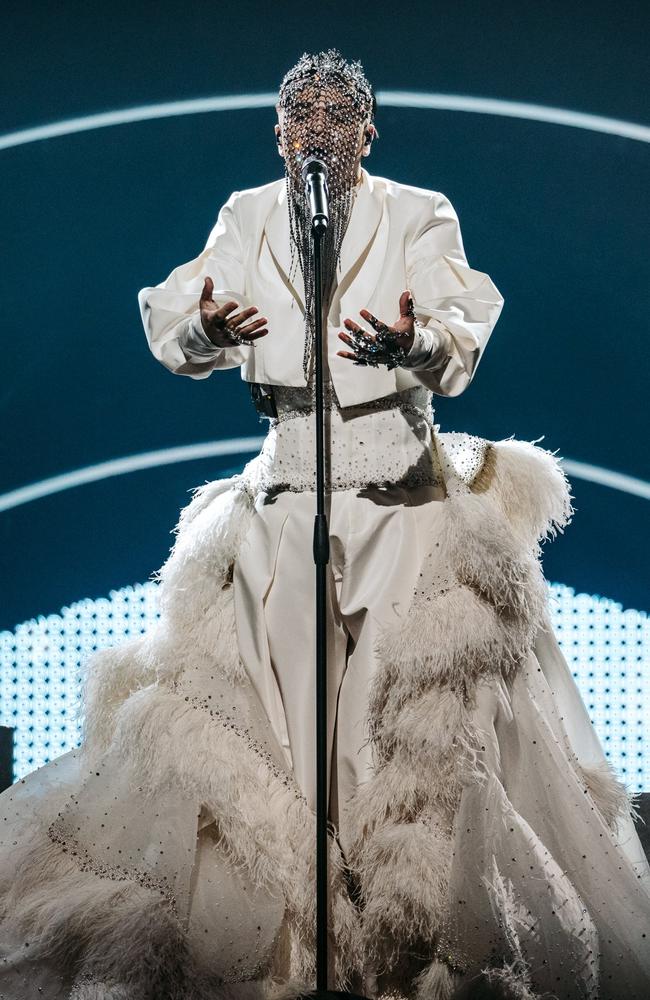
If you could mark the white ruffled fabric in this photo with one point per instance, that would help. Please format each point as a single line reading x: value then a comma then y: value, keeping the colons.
x: 172, y: 855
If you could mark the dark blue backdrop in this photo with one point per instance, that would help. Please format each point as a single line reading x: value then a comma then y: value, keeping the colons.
x: 557, y: 216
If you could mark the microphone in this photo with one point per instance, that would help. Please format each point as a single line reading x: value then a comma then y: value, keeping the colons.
x: 314, y: 176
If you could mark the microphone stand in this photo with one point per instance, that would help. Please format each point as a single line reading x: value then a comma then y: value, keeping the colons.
x: 321, y: 558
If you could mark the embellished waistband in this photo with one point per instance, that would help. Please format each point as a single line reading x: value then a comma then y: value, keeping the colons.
x: 300, y: 401
x: 381, y: 442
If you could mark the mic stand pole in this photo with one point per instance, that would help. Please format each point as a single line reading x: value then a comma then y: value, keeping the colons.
x: 321, y: 558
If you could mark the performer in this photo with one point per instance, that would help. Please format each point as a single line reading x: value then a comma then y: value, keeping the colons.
x: 480, y: 845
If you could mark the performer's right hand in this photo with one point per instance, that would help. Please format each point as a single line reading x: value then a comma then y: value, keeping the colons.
x: 217, y: 321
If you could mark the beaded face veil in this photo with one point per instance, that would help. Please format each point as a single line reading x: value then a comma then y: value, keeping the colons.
x: 323, y: 103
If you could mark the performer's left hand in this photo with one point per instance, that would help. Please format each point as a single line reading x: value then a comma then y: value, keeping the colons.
x: 388, y: 345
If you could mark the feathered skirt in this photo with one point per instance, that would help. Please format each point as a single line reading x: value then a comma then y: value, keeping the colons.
x: 490, y: 852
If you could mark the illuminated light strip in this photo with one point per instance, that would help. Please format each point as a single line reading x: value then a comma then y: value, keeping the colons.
x: 515, y: 109
x: 607, y: 477
x: 385, y: 98
x: 143, y: 113
x: 240, y: 446
x: 131, y: 463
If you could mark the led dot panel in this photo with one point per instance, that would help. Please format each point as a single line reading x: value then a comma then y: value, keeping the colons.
x: 40, y: 669
x: 608, y: 651
x: 607, y: 648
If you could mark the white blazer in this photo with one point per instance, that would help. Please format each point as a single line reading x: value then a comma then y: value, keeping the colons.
x: 398, y: 237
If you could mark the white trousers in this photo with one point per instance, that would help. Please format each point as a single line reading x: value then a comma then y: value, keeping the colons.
x: 378, y: 539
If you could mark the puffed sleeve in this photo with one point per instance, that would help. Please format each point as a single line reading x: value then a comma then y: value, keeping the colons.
x: 170, y: 311
x: 457, y: 306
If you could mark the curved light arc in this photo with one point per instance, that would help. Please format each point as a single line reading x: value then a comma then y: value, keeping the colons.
x: 385, y: 98
x: 129, y: 463
x: 249, y: 445
x: 607, y: 477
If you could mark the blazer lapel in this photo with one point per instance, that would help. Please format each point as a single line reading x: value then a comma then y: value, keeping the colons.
x: 278, y: 239
x: 364, y: 221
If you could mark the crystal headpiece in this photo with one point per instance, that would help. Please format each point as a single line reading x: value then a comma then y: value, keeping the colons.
x: 329, y: 67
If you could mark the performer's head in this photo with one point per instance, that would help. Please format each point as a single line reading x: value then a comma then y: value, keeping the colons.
x: 326, y: 109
